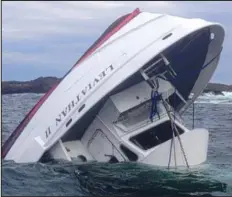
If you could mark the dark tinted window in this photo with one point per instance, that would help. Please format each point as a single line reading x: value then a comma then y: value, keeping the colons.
x: 154, y: 136
x: 130, y: 155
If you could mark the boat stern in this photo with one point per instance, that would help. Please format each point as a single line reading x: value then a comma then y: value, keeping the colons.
x: 193, y: 146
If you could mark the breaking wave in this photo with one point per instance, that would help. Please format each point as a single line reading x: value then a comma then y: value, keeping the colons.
x: 224, y: 98
x: 103, y: 179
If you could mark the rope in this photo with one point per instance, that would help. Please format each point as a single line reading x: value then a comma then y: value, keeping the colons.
x: 193, y: 114
x: 181, y: 145
x: 176, y: 130
x: 173, y: 136
x: 170, y: 154
x: 155, y: 97
x: 172, y: 141
x: 174, y: 149
x: 172, y: 129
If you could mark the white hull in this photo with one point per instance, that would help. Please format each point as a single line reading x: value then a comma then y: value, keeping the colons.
x: 91, y: 83
x: 195, y: 144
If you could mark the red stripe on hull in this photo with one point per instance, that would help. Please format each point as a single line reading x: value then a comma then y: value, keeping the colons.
x: 10, y: 141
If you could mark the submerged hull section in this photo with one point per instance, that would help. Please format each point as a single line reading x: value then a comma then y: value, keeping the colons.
x: 135, y: 41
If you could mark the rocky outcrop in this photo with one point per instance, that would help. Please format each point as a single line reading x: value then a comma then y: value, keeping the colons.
x: 43, y: 84
x: 40, y: 85
x: 217, y: 89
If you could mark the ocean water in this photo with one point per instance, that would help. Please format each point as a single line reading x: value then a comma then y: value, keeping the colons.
x: 213, y: 178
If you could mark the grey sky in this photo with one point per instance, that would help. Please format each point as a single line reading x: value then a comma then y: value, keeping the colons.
x: 47, y: 38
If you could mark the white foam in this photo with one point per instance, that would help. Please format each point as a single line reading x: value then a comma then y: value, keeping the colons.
x: 226, y: 98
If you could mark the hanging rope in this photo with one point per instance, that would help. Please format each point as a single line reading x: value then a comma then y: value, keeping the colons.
x: 155, y: 97
x: 193, y: 114
x: 181, y: 145
x: 173, y: 135
x: 172, y: 141
x: 170, y: 154
x: 176, y: 130
x: 174, y: 149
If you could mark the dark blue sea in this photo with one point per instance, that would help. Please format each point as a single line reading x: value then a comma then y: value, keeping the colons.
x: 213, y: 178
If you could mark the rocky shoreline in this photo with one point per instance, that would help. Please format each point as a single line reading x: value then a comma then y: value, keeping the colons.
x: 43, y: 84
x: 39, y: 85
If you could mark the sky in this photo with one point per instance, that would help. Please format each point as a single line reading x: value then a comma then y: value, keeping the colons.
x: 45, y: 38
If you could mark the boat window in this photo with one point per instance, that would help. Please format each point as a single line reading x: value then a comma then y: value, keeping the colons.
x: 135, y: 115
x: 81, y: 108
x: 68, y: 123
x: 82, y: 158
x: 167, y: 36
x: 155, y: 66
x: 113, y: 159
x: 130, y: 155
x: 154, y: 136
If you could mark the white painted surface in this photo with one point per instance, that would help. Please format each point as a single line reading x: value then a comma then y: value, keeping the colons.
x: 131, y: 97
x: 58, y: 151
x: 98, y: 140
x: 126, y: 58
x: 195, y: 145
x: 76, y: 148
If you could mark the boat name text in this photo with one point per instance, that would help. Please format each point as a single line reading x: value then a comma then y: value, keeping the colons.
x: 79, y: 97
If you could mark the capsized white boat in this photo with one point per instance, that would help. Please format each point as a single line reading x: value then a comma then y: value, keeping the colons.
x: 123, y: 99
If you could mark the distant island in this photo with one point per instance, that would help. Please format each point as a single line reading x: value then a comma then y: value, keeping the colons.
x: 43, y: 84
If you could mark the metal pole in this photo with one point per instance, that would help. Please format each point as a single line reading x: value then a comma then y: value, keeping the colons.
x: 193, y: 114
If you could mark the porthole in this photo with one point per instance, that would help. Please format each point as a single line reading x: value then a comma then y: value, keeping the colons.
x: 167, y: 36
